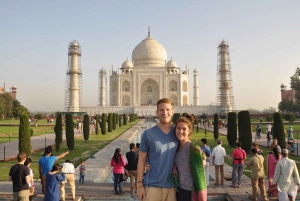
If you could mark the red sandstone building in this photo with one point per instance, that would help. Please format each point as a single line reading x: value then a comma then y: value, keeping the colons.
x: 287, y: 94
x: 12, y: 91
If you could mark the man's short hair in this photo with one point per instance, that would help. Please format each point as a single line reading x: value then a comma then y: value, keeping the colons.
x: 48, y: 150
x: 254, y: 144
x: 132, y: 145
x: 254, y: 150
x: 137, y: 145
x: 219, y: 141
x: 163, y: 100
x: 204, y: 140
x: 21, y: 156
x: 238, y: 144
x: 285, y: 152
x: 67, y: 161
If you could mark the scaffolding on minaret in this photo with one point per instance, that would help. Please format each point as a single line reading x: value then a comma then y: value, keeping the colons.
x: 73, y: 81
x: 224, y: 86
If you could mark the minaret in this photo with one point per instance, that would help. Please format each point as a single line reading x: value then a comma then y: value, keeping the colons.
x: 74, y: 74
x: 196, y: 88
x: 102, y: 87
x: 226, y: 99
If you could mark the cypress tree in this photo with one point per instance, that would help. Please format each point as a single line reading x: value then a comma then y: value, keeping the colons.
x: 70, y: 131
x: 117, y: 119
x: 244, y: 128
x: 58, y: 132
x: 216, y: 128
x: 197, y: 122
x: 175, y: 117
x: 97, y: 124
x: 278, y: 130
x: 24, y: 135
x: 124, y: 119
x: 114, y: 121
x: 120, y: 120
x: 103, y: 127
x: 231, y: 129
x: 86, y: 127
x: 110, y: 116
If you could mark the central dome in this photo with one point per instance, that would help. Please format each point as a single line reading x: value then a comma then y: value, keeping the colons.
x: 149, y: 52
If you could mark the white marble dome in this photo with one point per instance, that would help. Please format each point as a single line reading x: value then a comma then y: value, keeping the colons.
x: 127, y: 64
x: 172, y: 63
x: 149, y: 52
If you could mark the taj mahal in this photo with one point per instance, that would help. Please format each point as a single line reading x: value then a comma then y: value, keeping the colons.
x: 143, y: 80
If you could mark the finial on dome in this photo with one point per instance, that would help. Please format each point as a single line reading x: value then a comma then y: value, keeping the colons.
x: 148, y: 31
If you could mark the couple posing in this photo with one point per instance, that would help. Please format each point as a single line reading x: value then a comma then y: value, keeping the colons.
x: 160, y: 148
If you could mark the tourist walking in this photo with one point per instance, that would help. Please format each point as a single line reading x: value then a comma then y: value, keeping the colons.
x: 118, y: 163
x: 275, y: 144
x: 27, y: 163
x: 82, y: 172
x: 207, y: 152
x: 19, y: 174
x: 189, y: 162
x: 132, y: 161
x: 239, y: 155
x: 218, y: 155
x: 69, y: 170
x: 158, y: 145
x: 286, y: 177
x: 45, y: 164
x: 52, y: 179
x: 256, y: 163
x: 273, y: 158
x: 258, y: 131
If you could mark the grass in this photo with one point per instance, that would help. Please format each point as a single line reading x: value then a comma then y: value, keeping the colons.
x: 17, y: 121
x: 83, y: 150
x: 11, y: 133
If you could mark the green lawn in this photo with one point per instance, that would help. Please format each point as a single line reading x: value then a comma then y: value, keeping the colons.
x: 10, y: 133
x: 17, y: 121
x: 82, y: 150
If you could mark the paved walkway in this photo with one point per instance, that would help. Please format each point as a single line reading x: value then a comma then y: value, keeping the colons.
x: 37, y: 143
x: 98, y: 169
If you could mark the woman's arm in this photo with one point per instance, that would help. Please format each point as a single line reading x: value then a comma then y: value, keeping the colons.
x: 61, y: 177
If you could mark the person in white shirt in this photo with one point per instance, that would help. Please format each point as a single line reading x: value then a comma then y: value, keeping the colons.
x: 218, y: 155
x: 287, y: 177
x: 69, y: 170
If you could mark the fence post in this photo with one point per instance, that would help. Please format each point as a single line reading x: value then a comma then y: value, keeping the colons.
x: 4, y: 153
x: 9, y: 137
x: 45, y: 142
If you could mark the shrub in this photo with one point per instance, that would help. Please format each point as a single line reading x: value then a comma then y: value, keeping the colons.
x: 110, y: 122
x: 58, y: 132
x: 216, y: 128
x: 269, y: 118
x: 120, y: 120
x: 278, y: 130
x: 103, y: 127
x: 289, y: 117
x: 244, y: 128
x: 24, y: 135
x: 86, y: 126
x: 114, y: 121
x: 70, y: 131
x: 124, y: 119
x: 97, y: 124
x: 231, y: 129
x: 31, y: 132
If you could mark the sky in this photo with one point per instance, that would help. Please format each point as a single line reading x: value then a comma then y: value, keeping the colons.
x: 263, y: 37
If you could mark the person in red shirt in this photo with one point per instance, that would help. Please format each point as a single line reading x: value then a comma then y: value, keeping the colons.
x: 118, y: 163
x: 239, y: 156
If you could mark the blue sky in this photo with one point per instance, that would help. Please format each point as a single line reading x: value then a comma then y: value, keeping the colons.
x: 264, y: 40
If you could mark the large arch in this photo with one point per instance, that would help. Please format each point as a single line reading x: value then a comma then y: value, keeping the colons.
x: 149, y: 92
x: 126, y: 101
x: 184, y: 100
x: 173, y: 86
x: 114, y: 101
x: 184, y: 86
x: 173, y: 98
x: 125, y: 86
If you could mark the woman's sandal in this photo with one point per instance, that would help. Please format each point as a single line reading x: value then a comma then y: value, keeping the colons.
x: 121, y: 193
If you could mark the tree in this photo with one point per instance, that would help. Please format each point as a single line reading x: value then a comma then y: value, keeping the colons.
x: 124, y: 119
x: 6, y: 105
x: 120, y: 120
x: 97, y: 124
x: 289, y: 117
x: 70, y: 131
x: 114, y: 121
x: 24, y: 135
x: 269, y: 118
x: 37, y: 117
x: 244, y: 129
x: 103, y: 127
x: 287, y: 106
x: 110, y: 117
x: 86, y: 126
x: 278, y: 130
x: 175, y: 117
x: 216, y: 128
x: 117, y: 119
x: 58, y: 132
x: 18, y: 109
x: 231, y: 129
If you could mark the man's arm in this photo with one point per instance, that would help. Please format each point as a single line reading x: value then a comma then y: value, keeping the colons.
x: 62, y: 155
x: 140, y: 172
x: 28, y: 179
x: 9, y: 178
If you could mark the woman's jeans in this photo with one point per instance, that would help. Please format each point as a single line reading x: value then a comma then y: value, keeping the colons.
x: 118, y: 180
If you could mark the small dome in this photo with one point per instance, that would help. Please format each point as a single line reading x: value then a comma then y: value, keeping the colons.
x: 149, y: 52
x: 74, y: 43
x: 282, y: 85
x: 102, y: 71
x: 172, y: 63
x: 127, y: 64
x: 223, y: 43
x: 14, y: 87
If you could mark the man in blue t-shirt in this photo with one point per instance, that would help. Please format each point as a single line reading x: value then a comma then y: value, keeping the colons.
x: 46, y: 163
x: 158, y: 147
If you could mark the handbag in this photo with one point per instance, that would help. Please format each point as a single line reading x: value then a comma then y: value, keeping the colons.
x: 124, y: 177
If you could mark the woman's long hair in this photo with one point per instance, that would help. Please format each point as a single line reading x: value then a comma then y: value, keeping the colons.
x: 117, y: 155
x: 55, y: 167
x: 276, y: 154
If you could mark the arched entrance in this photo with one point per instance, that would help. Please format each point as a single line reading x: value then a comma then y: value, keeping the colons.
x: 149, y: 92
